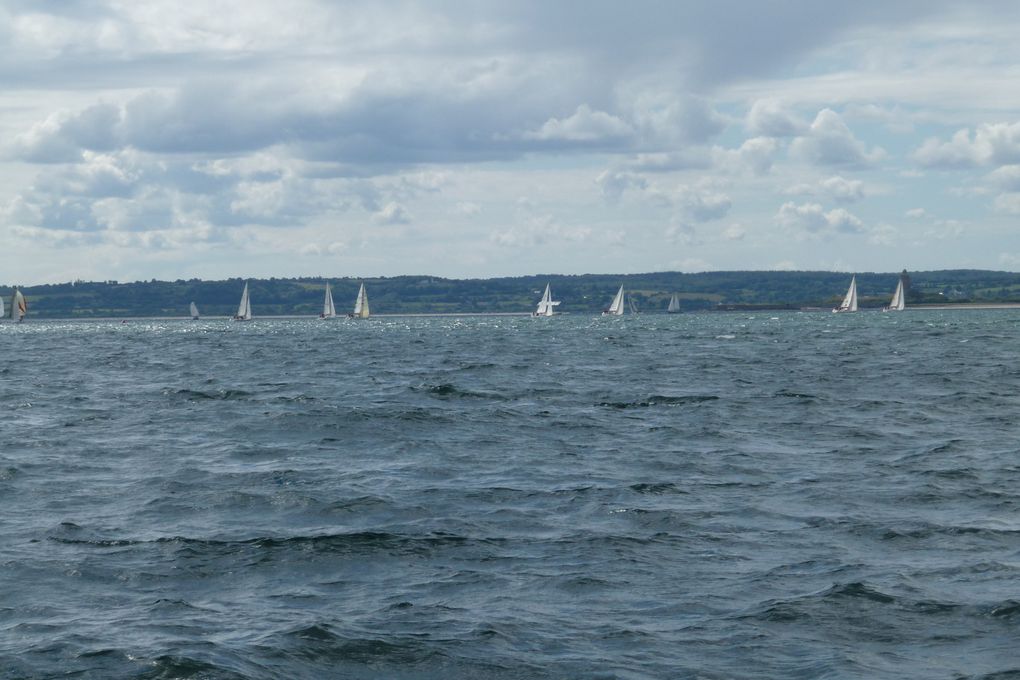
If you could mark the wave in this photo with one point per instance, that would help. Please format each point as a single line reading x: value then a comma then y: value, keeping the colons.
x: 659, y: 400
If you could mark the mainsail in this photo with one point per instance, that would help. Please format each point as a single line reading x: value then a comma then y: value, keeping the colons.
x: 244, y: 308
x: 3, y: 313
x: 674, y: 304
x: 19, y: 307
x: 361, y: 304
x: 546, y: 304
x: 898, y: 303
x: 328, y: 309
x: 849, y: 303
x: 616, y: 307
x: 194, y: 311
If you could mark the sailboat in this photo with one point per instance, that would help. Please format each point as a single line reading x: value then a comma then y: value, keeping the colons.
x: 2, y: 312
x: 849, y: 303
x: 674, y: 304
x: 615, y: 308
x: 328, y: 309
x: 194, y: 312
x: 360, y: 305
x: 19, y: 307
x: 898, y: 303
x: 546, y: 304
x: 244, y: 309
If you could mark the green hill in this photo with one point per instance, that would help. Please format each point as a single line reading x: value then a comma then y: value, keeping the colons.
x: 585, y: 293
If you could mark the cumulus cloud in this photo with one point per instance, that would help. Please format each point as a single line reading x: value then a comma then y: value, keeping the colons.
x: 1006, y: 178
x: 392, y: 213
x: 702, y: 202
x: 759, y: 153
x: 836, y: 188
x: 812, y: 218
x: 830, y: 142
x: 613, y: 183
x: 841, y: 189
x: 988, y: 144
x: 770, y: 118
x: 584, y: 125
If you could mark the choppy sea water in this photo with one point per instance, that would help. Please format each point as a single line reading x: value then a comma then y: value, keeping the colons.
x: 693, y: 496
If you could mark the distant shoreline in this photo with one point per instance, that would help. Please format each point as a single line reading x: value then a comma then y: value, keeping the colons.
x: 970, y: 306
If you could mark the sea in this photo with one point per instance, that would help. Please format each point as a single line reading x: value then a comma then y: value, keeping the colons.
x: 702, y: 496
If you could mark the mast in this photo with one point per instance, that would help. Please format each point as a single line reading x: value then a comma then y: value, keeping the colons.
x: 361, y: 305
x: 849, y: 303
x: 328, y: 309
x: 244, y: 308
x: 546, y: 304
x: 616, y: 307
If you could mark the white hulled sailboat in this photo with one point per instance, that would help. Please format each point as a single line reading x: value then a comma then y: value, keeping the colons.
x: 546, y: 304
x: 360, y: 305
x: 674, y: 304
x: 328, y: 309
x: 194, y: 311
x: 898, y: 302
x: 849, y: 303
x: 615, y: 308
x: 244, y: 308
x: 3, y: 312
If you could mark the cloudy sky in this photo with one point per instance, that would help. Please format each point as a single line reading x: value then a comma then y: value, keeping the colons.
x: 148, y: 139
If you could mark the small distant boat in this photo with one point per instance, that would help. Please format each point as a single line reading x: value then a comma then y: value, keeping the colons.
x: 328, y: 308
x: 194, y: 312
x: 615, y: 308
x: 849, y: 303
x: 546, y: 304
x: 360, y: 305
x: 244, y: 309
x: 19, y: 307
x: 674, y: 305
x: 898, y: 303
x: 3, y: 312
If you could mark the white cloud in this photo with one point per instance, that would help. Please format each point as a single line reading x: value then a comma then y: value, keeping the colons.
x: 989, y: 144
x: 916, y: 213
x: 1006, y: 178
x: 613, y: 183
x: 841, y: 189
x: 830, y: 142
x: 734, y: 232
x: 770, y: 118
x: 759, y: 153
x: 812, y: 218
x: 702, y: 202
x: 584, y: 125
x: 392, y: 213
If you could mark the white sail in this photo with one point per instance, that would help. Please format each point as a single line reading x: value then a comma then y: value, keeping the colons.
x: 18, y: 306
x: 194, y: 311
x: 328, y: 309
x: 361, y: 304
x: 674, y: 304
x: 244, y: 308
x: 849, y: 303
x: 3, y: 313
x: 616, y: 307
x: 898, y: 303
x: 546, y: 304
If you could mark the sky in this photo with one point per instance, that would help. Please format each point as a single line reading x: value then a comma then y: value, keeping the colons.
x: 145, y: 139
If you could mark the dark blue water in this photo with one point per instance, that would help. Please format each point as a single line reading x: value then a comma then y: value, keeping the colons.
x: 694, y: 496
